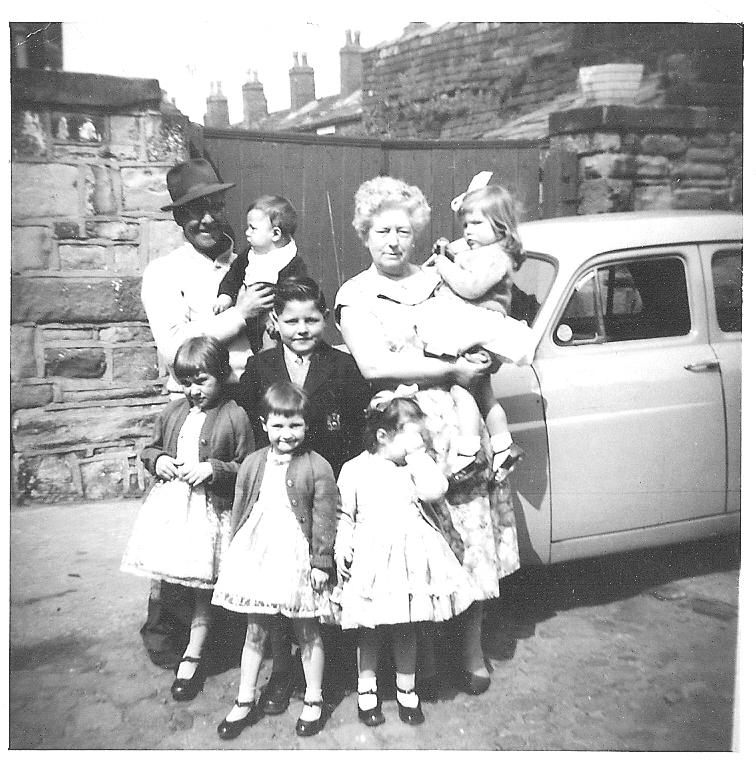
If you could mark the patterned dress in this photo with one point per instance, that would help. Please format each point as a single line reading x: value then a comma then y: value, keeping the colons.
x: 178, y: 535
x: 483, y: 515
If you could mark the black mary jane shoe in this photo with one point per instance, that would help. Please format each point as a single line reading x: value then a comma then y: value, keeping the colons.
x: 308, y: 728
x: 232, y: 729
x: 372, y: 717
x: 275, y: 697
x: 471, y: 684
x: 413, y: 716
x: 185, y: 689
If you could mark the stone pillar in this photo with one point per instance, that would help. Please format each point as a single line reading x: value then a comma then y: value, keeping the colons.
x: 217, y: 108
x: 88, y: 183
x: 351, y: 64
x: 255, y: 103
x: 302, y: 82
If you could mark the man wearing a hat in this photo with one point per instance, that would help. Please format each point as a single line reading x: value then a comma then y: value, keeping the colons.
x: 178, y: 292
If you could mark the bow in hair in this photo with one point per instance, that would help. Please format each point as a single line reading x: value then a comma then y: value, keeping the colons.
x: 479, y: 180
x: 383, y: 398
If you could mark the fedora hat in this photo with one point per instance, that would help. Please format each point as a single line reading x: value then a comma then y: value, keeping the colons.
x: 191, y: 180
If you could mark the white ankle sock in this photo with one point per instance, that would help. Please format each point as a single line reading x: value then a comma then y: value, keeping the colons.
x: 500, y: 444
x: 467, y: 449
x: 406, y: 682
x: 367, y: 693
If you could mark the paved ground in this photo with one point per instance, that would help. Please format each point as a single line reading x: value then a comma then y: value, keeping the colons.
x: 633, y: 652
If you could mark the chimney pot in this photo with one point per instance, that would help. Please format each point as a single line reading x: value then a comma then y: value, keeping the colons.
x: 301, y: 83
x: 351, y: 64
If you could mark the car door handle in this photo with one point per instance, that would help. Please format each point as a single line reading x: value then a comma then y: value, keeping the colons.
x: 702, y: 367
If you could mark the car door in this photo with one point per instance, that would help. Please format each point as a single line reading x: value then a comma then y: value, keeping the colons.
x: 633, y: 397
x: 723, y: 276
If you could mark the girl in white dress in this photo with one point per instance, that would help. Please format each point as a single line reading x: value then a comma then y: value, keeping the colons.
x: 184, y: 526
x: 396, y: 567
x: 281, y: 556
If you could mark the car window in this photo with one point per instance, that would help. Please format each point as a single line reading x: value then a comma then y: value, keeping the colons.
x: 727, y: 273
x: 629, y: 300
x: 531, y: 284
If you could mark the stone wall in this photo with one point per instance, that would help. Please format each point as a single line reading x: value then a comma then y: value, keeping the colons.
x: 89, y: 159
x: 660, y: 158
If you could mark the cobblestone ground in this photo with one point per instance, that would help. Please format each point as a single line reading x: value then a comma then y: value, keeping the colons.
x: 634, y: 652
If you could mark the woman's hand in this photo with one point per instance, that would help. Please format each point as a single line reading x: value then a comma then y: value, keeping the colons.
x: 167, y: 467
x: 466, y: 372
x: 318, y: 579
x: 343, y: 563
x: 195, y: 474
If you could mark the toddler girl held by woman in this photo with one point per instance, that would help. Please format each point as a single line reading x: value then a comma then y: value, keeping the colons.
x: 471, y: 312
x: 280, y: 559
x: 184, y: 526
x: 396, y: 567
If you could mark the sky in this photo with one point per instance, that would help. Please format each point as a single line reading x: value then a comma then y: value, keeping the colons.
x: 188, y: 49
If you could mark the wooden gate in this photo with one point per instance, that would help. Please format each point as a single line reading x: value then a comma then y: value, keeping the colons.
x: 320, y: 175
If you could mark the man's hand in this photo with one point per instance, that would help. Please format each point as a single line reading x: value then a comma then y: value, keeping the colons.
x: 222, y: 302
x: 167, y: 467
x: 195, y: 474
x: 255, y: 300
x: 318, y: 579
x: 343, y: 562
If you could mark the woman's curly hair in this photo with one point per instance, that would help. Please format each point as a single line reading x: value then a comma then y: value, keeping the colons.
x: 383, y: 192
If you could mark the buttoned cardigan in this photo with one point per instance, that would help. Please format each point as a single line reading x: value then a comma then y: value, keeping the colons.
x: 313, y: 497
x: 226, y: 439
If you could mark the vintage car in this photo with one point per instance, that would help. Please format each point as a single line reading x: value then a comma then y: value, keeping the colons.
x: 630, y: 413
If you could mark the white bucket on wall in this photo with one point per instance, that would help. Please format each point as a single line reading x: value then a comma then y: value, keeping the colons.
x: 610, y: 83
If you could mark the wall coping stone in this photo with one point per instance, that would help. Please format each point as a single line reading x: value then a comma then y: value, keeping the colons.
x: 78, y: 89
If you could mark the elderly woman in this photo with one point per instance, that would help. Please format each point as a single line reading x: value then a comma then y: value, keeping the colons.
x: 375, y: 313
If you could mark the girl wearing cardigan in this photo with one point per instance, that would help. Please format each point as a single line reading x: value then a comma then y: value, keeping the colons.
x: 184, y: 526
x: 281, y: 556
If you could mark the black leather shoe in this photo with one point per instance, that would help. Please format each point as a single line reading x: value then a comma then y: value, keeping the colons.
x: 414, y: 716
x: 516, y: 454
x: 275, y: 696
x: 185, y: 689
x: 472, y: 684
x: 232, y: 729
x: 372, y: 717
x: 308, y: 728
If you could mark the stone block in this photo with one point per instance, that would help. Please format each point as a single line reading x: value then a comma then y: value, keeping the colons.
x: 67, y: 230
x: 23, y: 357
x: 125, y: 334
x: 699, y: 170
x: 160, y: 237
x: 135, y: 363
x: 25, y: 395
x: 607, y: 166
x: 30, y: 248
x: 605, y: 195
x: 649, y: 166
x: 66, y: 333
x: 693, y: 199
x: 667, y: 144
x: 124, y: 137
x: 652, y: 197
x: 165, y: 138
x: 28, y: 136
x: 44, y: 190
x: 115, y: 230
x: 102, y: 479
x: 72, y: 427
x: 83, y: 257
x: 78, y: 128
x: 76, y: 299
x: 126, y: 259
x: 75, y: 362
x: 710, y: 139
x: 144, y: 188
x: 46, y: 478
x: 715, y: 154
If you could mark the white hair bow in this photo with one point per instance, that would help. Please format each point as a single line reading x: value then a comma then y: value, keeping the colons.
x: 383, y: 398
x: 479, y: 180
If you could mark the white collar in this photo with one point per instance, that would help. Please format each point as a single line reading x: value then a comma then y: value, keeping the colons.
x: 265, y: 267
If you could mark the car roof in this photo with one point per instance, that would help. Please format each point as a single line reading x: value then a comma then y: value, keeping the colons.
x: 581, y: 236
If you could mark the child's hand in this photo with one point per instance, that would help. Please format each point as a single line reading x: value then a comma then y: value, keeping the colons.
x: 343, y: 562
x: 195, y: 474
x: 439, y: 248
x: 222, y: 302
x: 167, y: 467
x: 318, y: 579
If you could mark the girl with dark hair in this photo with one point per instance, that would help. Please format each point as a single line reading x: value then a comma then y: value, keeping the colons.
x: 184, y: 526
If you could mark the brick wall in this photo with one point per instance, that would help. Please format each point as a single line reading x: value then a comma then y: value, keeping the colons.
x: 89, y: 158
x: 656, y: 158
